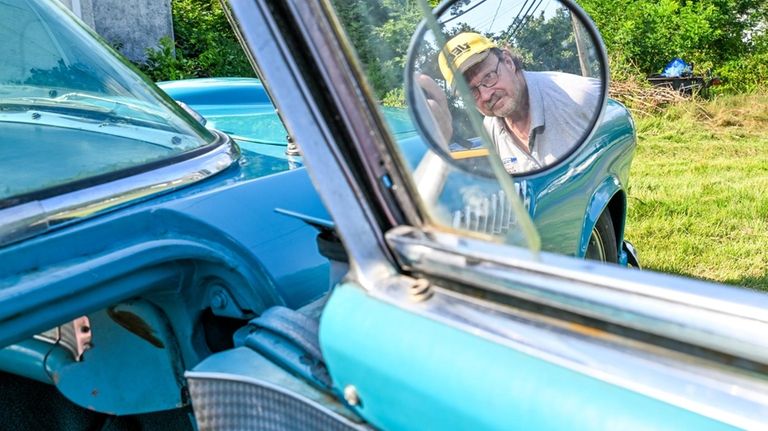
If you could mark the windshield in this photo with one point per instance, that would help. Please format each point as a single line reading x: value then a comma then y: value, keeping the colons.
x: 70, y: 110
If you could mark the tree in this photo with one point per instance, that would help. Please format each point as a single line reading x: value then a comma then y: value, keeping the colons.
x: 380, y: 33
x: 725, y: 35
x: 544, y: 44
x: 205, y: 45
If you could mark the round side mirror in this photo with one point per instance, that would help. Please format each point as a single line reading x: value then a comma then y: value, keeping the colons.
x: 524, y: 80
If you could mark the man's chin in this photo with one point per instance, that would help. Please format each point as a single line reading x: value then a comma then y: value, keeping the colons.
x: 501, y: 108
x: 502, y: 112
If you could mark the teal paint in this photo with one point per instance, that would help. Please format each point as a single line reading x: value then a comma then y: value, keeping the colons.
x: 413, y: 373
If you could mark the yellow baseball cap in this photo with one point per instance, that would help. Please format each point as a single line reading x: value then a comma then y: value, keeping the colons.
x: 465, y: 50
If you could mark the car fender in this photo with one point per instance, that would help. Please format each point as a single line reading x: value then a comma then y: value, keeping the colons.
x: 598, y: 203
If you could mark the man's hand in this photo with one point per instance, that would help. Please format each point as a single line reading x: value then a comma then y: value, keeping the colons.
x: 438, y: 104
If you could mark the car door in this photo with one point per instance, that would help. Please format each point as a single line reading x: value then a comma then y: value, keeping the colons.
x: 437, y: 327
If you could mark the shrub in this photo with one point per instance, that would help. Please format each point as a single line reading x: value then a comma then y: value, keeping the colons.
x: 205, y: 45
x: 718, y: 35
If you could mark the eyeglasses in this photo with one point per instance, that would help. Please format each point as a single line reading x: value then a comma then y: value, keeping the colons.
x: 489, y: 80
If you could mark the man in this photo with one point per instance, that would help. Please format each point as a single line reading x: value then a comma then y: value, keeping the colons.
x: 533, y: 118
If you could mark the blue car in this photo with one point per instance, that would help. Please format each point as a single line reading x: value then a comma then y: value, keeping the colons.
x: 158, y: 274
x: 579, y: 212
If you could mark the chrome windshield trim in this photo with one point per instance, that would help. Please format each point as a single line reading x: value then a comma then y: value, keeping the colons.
x: 719, y: 392
x: 723, y: 319
x: 37, y: 217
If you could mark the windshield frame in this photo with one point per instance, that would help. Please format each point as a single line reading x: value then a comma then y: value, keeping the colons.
x: 66, y: 83
x: 28, y: 215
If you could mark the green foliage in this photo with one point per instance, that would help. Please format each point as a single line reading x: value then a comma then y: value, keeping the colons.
x: 546, y: 43
x: 730, y: 37
x: 721, y: 35
x: 394, y: 98
x: 380, y: 33
x: 747, y: 74
x: 205, y: 45
x: 164, y: 65
x: 650, y: 33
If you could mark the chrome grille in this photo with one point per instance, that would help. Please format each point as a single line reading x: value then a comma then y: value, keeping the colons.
x: 491, y: 214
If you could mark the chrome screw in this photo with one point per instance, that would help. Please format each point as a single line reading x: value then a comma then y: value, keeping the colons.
x: 420, y: 290
x: 350, y: 394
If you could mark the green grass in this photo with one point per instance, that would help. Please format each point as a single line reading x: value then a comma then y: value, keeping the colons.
x: 698, y: 195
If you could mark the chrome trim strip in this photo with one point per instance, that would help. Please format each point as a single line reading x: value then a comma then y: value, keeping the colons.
x: 37, y: 217
x: 728, y: 395
x: 724, y: 319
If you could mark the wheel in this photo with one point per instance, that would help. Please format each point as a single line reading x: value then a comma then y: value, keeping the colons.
x: 602, y: 242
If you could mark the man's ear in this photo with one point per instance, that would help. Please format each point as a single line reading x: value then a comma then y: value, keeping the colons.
x: 508, y: 60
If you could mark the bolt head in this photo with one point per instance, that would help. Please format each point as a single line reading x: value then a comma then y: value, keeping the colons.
x: 219, y: 301
x: 351, y: 396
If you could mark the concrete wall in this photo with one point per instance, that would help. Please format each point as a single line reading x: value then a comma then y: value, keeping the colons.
x: 81, y: 8
x: 131, y: 25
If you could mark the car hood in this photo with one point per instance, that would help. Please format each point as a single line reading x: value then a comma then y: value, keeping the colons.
x: 241, y: 108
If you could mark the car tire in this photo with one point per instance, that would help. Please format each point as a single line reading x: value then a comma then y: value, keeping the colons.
x: 602, y: 242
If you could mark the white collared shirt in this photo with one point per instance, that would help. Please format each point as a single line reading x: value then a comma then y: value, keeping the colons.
x: 562, y: 106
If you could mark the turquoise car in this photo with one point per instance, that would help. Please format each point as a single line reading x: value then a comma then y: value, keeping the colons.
x: 578, y: 212
x: 159, y: 274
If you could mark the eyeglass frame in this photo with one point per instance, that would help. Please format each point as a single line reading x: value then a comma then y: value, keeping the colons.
x: 485, y: 82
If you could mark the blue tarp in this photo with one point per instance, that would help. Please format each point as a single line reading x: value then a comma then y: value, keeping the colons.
x: 677, y: 68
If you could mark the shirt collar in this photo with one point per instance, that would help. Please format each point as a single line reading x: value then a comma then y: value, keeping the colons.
x: 535, y: 101
x: 535, y: 105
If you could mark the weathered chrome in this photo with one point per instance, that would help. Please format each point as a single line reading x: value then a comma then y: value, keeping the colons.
x: 75, y: 336
x: 724, y: 319
x: 36, y: 217
x: 724, y: 393
x: 420, y: 290
x: 492, y: 214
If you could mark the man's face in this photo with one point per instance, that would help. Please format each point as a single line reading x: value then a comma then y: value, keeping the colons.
x: 504, y: 97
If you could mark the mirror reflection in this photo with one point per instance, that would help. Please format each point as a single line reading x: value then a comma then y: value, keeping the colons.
x: 530, y: 73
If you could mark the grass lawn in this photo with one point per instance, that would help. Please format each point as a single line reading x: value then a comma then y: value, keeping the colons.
x: 698, y: 194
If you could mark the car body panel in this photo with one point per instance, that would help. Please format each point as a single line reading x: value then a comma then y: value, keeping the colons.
x: 440, y: 377
x: 569, y: 194
x: 380, y: 350
x: 386, y: 320
x: 177, y: 226
x: 180, y: 251
x: 555, y: 198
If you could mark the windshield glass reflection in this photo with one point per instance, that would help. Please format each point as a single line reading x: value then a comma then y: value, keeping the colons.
x: 70, y: 111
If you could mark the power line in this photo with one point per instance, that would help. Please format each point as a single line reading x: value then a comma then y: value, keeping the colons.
x: 495, y: 14
x: 463, y: 13
x: 527, y: 17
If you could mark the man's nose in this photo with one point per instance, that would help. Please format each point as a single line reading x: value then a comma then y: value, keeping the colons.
x: 485, y: 94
